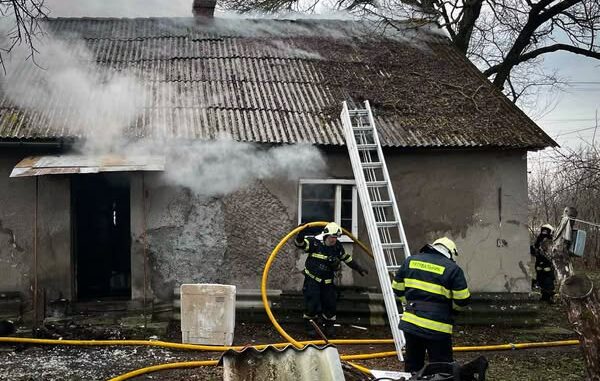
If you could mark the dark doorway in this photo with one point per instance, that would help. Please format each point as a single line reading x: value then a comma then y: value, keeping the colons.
x: 101, y: 232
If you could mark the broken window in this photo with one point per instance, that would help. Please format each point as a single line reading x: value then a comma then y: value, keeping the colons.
x: 328, y: 200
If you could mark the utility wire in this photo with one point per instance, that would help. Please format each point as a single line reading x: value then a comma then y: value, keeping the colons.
x: 574, y: 131
x: 595, y: 129
x: 586, y: 222
x: 568, y: 120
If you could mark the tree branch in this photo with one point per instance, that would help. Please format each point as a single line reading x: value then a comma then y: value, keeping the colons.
x: 547, y: 49
x: 557, y: 47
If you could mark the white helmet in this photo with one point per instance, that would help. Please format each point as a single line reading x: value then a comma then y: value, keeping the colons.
x: 548, y: 227
x: 445, y: 246
x: 332, y: 229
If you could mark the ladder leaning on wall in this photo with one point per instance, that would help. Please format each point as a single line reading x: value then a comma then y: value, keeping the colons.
x: 382, y: 218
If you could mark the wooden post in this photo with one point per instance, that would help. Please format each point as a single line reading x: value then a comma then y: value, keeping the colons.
x: 579, y: 294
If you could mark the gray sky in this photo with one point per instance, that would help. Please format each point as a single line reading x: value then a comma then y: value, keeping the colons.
x: 575, y: 107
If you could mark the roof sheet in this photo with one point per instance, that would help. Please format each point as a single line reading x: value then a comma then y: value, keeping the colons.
x: 77, y: 163
x: 281, y: 81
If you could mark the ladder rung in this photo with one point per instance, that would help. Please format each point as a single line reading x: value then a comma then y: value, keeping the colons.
x: 382, y: 203
x: 376, y: 183
x: 393, y: 268
x: 387, y: 224
x: 362, y: 129
x: 393, y: 245
x: 358, y: 111
x: 372, y: 164
x: 366, y: 146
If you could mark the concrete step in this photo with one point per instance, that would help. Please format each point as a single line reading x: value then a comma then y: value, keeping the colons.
x: 367, y: 308
x: 10, y: 305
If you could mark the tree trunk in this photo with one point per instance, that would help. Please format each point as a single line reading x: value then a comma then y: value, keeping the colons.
x: 471, y: 12
x: 580, y: 296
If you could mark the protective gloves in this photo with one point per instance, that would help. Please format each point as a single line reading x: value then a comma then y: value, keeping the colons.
x: 299, y: 240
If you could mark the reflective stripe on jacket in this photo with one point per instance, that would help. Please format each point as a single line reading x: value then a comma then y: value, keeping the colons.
x: 431, y: 286
x: 323, y: 260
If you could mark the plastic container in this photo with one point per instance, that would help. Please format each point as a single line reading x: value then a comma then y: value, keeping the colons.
x: 207, y: 314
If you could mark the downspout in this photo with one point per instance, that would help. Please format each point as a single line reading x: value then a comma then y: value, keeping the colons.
x: 35, y: 259
x: 38, y: 144
x: 144, y: 244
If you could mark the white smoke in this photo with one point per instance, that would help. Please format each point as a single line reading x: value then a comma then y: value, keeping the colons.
x: 62, y: 83
x: 101, y: 105
x: 326, y: 9
x: 216, y: 168
x: 294, y: 52
x: 119, y: 8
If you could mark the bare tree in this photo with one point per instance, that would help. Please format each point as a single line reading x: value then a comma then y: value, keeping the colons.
x: 505, y: 38
x: 581, y: 297
x: 568, y: 177
x: 20, y: 25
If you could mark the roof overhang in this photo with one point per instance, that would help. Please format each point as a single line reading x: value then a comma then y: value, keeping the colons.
x: 82, y: 164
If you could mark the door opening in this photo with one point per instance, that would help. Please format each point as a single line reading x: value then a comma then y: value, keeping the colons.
x: 102, y: 235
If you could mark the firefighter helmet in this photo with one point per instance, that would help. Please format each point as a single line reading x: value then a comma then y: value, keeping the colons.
x: 547, y: 226
x: 332, y: 229
x: 448, y: 244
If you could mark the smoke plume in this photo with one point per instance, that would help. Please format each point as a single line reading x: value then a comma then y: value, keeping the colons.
x: 64, y: 84
x: 219, y: 167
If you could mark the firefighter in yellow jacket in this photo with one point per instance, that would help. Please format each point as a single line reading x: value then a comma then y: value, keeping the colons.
x: 323, y: 260
x: 431, y: 286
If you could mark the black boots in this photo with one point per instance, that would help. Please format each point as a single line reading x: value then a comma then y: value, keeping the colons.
x: 329, y: 329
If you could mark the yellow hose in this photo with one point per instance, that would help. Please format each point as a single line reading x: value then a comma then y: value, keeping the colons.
x: 265, y: 276
x: 359, y: 367
x: 156, y: 368
x: 503, y: 347
x: 211, y: 348
x: 297, y: 344
x: 216, y: 348
x: 263, y: 289
x: 197, y: 347
x: 349, y: 358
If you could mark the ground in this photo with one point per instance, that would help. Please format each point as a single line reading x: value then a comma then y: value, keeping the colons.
x: 45, y: 362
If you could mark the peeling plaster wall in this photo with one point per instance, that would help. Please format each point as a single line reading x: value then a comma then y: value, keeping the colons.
x: 227, y: 240
x: 477, y: 198
x: 218, y: 240
x: 256, y: 220
x: 185, y: 237
x: 17, y: 207
x: 16, y: 226
x: 456, y: 193
x: 54, y: 237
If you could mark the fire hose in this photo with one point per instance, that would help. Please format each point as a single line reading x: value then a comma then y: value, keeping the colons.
x: 282, y: 332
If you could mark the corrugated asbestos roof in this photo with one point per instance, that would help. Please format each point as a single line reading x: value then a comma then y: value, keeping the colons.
x: 271, y: 349
x: 282, y: 81
x: 77, y: 163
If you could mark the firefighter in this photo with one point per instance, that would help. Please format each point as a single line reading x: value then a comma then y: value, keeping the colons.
x: 324, y: 259
x: 431, y: 286
x: 544, y: 270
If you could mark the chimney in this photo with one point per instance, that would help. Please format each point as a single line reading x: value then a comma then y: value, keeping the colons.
x: 204, y: 8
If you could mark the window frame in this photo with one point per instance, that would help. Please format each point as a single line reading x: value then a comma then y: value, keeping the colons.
x: 338, y: 202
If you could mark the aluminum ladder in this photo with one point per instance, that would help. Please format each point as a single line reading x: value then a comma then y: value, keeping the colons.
x: 386, y: 233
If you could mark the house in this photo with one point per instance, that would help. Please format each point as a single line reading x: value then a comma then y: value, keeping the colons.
x: 102, y: 227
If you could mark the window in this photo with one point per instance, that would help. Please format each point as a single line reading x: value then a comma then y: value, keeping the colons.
x: 328, y: 200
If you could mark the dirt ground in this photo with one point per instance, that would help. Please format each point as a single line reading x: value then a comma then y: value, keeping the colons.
x: 46, y: 362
